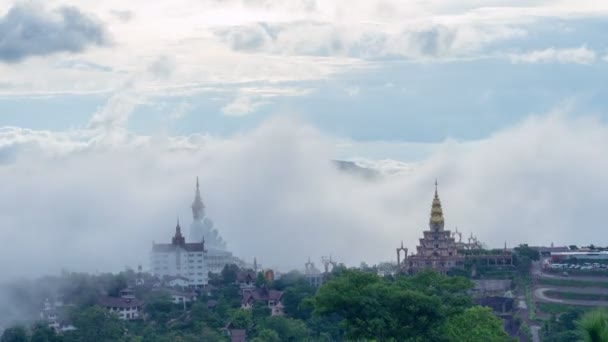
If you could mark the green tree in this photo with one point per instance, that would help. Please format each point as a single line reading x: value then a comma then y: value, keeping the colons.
x: 229, y: 274
x: 14, y: 334
x: 267, y: 335
x: 288, y: 279
x: 117, y: 283
x: 260, y: 280
x: 41, y: 332
x: 374, y: 309
x: 475, y: 324
x: 260, y: 311
x: 294, y: 300
x: 524, y: 264
x: 288, y: 329
x: 241, y: 319
x: 593, y: 326
x: 97, y: 324
x: 158, y: 307
x: 524, y: 250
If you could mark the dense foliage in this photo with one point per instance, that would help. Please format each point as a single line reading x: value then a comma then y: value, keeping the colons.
x: 352, y: 305
x: 424, y: 307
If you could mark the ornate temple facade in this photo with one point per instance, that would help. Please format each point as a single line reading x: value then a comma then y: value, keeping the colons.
x: 437, y: 248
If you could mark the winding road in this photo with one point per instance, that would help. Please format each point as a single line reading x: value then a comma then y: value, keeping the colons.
x: 540, y: 290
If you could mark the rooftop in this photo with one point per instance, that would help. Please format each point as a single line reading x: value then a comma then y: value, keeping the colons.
x: 116, y: 302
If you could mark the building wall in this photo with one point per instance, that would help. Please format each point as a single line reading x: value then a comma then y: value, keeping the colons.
x: 217, y: 259
x: 191, y: 265
x: 126, y: 313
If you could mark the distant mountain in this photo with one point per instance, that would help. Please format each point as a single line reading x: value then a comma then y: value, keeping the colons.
x: 354, y: 169
x: 372, y: 169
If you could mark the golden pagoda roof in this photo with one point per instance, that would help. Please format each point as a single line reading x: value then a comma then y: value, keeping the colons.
x: 436, y: 210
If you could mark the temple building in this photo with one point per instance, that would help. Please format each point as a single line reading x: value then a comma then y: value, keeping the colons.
x: 206, y: 252
x: 437, y: 249
x: 202, y: 229
x: 181, y: 259
x: 202, y: 226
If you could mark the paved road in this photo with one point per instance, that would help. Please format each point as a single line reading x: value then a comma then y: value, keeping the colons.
x: 540, y: 295
x: 573, y: 277
x: 535, y: 335
x: 537, y: 270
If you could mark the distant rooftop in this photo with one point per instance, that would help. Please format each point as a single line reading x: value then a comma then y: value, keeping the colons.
x: 116, y: 302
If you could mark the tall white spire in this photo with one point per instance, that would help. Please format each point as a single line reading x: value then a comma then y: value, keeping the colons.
x: 198, y: 208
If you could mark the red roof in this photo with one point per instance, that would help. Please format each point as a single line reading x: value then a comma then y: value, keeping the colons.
x: 263, y: 294
x: 245, y: 276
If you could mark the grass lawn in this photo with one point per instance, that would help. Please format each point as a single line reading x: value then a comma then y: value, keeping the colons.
x: 579, y: 296
x: 572, y: 282
x: 556, y: 308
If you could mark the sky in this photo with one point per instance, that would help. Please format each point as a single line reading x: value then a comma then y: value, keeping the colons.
x: 110, y: 109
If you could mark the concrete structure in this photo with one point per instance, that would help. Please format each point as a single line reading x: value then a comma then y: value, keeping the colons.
x: 181, y: 259
x: 578, y: 255
x: 176, y: 281
x: 126, y: 308
x: 179, y: 297
x: 437, y: 249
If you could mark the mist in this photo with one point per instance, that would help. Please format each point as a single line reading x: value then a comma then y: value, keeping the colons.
x: 77, y: 202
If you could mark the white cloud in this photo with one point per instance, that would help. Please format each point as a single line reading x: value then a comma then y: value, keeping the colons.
x: 261, y: 39
x: 414, y: 41
x: 249, y: 99
x: 242, y: 105
x: 273, y: 194
x: 581, y: 55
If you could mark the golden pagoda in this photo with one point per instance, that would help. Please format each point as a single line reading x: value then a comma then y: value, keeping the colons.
x: 437, y: 248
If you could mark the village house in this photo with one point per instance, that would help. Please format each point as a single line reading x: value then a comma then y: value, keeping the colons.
x: 271, y: 298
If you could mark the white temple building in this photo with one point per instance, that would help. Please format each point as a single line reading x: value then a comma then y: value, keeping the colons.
x: 206, y: 252
x: 181, y: 259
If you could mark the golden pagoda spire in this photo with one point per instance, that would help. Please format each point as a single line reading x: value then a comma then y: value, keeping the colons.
x: 436, y: 211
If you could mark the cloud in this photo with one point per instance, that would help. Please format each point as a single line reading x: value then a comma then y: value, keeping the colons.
x: 581, y: 55
x: 79, y: 64
x: 273, y: 193
x: 162, y: 67
x: 28, y: 30
x: 123, y: 16
x: 243, y: 105
x: 250, y: 99
x: 110, y: 120
x: 366, y: 41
